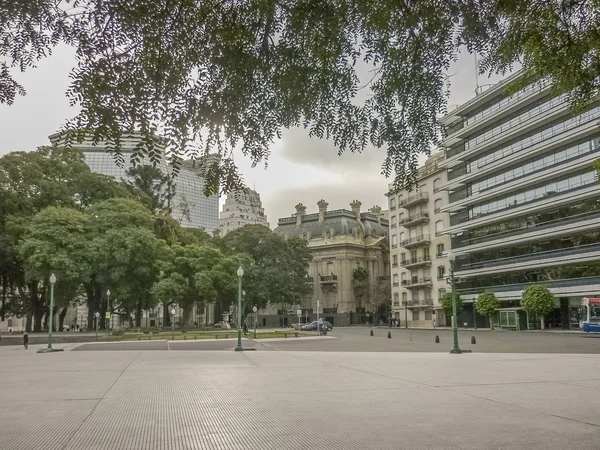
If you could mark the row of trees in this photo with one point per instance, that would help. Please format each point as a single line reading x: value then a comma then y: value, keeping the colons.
x: 98, y: 233
x: 537, y: 300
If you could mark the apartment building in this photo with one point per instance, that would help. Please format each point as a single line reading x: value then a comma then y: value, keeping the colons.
x: 242, y: 207
x: 418, y: 247
x: 524, y: 198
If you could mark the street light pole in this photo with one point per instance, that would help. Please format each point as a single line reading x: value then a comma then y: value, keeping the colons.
x: 455, y: 348
x: 108, y: 309
x: 474, y: 315
x: 240, y: 274
x: 405, y: 313
x: 51, y: 318
x: 173, y: 322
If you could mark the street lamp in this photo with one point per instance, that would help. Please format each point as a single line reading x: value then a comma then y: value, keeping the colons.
x: 455, y: 348
x: 240, y: 274
x: 405, y: 303
x: 108, y: 309
x: 173, y: 322
x: 51, y: 318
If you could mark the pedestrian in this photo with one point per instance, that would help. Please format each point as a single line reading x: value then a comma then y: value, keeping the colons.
x: 26, y: 340
x: 245, y: 328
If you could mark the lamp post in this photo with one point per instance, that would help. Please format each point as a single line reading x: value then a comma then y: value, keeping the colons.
x: 51, y: 318
x: 173, y: 322
x: 240, y: 274
x: 474, y: 314
x: 455, y: 348
x: 108, y: 309
x: 405, y: 303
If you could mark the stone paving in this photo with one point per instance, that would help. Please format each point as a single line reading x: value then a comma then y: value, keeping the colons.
x: 182, y: 399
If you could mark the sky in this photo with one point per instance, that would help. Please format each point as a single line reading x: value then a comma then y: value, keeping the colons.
x: 300, y: 169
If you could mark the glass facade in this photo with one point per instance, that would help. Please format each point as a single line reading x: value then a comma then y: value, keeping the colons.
x: 190, y: 207
x: 546, y: 244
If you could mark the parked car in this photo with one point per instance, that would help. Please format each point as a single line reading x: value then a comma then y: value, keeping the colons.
x: 314, y: 326
x: 222, y: 324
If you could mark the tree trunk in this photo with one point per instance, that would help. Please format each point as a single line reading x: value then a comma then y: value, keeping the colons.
x: 542, y: 323
x: 491, y: 322
x: 61, y: 318
x: 138, y: 314
x: 166, y: 315
x: 185, y: 317
x: 93, y: 293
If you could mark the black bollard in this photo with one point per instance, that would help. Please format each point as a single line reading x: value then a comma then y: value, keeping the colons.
x: 389, y: 334
x: 473, y: 341
x: 371, y: 333
x: 437, y: 339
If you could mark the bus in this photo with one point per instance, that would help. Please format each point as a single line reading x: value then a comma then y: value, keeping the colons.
x: 590, y: 315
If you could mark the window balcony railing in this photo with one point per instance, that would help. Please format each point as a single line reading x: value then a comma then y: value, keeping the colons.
x: 415, y: 220
x: 412, y: 200
x: 416, y: 241
x: 395, y: 283
x: 329, y: 279
x: 419, y: 282
x: 416, y: 262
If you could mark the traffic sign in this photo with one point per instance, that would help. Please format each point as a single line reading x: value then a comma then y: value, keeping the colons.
x: 107, y: 315
x: 254, y: 309
x: 299, y: 312
x: 97, y: 315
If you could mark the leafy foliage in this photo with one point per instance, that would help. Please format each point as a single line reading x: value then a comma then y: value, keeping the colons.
x: 275, y: 268
x: 537, y: 300
x: 447, y: 303
x: 360, y: 281
x: 152, y: 187
x: 213, y: 74
x: 487, y: 303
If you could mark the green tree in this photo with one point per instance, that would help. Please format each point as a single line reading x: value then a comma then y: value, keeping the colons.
x: 447, y: 303
x: 29, y: 183
x: 195, y: 277
x: 275, y: 267
x: 538, y: 301
x: 360, y: 282
x: 487, y: 304
x: 152, y: 187
x: 241, y: 71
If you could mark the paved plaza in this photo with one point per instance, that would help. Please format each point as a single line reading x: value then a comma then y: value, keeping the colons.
x: 187, y: 399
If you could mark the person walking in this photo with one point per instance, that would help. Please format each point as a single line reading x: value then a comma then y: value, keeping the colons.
x: 26, y: 340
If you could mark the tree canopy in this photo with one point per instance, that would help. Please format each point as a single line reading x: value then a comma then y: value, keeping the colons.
x: 538, y: 301
x: 447, y: 303
x: 487, y: 304
x: 214, y: 75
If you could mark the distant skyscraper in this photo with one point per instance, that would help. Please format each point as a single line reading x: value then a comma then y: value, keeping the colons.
x: 189, y: 206
x: 242, y: 207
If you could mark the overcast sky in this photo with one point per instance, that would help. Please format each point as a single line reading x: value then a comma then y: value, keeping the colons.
x: 301, y: 169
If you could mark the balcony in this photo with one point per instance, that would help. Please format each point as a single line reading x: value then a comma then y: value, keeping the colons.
x: 415, y: 220
x: 417, y: 241
x: 329, y: 279
x: 413, y: 200
x: 310, y: 280
x: 418, y: 282
x: 417, y: 262
x: 421, y: 302
x: 395, y: 284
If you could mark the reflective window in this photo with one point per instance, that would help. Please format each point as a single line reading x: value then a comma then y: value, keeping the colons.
x: 534, y: 193
x: 439, y: 226
x: 560, y: 127
x: 536, y: 111
x: 573, y: 151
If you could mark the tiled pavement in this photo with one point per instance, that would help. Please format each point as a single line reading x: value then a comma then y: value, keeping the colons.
x: 297, y: 400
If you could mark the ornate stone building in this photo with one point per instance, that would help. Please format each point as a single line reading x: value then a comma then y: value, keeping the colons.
x: 349, y: 273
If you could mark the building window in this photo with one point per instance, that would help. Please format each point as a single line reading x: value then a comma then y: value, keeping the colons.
x: 441, y: 272
x: 428, y: 315
x: 413, y: 256
x: 403, y: 257
x: 437, y: 205
x: 395, y: 260
x: 439, y: 227
x: 426, y: 254
x: 437, y: 183
x: 9, y: 323
x: 403, y: 277
x: 401, y: 238
x: 396, y: 299
x: 392, y: 202
x: 404, y: 297
x: 441, y: 293
x: 394, y: 241
x: 395, y: 279
x: 416, y: 314
x: 440, y: 249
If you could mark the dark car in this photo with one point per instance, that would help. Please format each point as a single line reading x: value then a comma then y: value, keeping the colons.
x: 314, y: 326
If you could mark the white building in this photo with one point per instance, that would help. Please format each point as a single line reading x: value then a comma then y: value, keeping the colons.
x: 418, y: 248
x: 242, y: 207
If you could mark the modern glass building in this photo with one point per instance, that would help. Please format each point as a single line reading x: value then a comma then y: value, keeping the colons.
x: 190, y: 206
x: 524, y: 199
